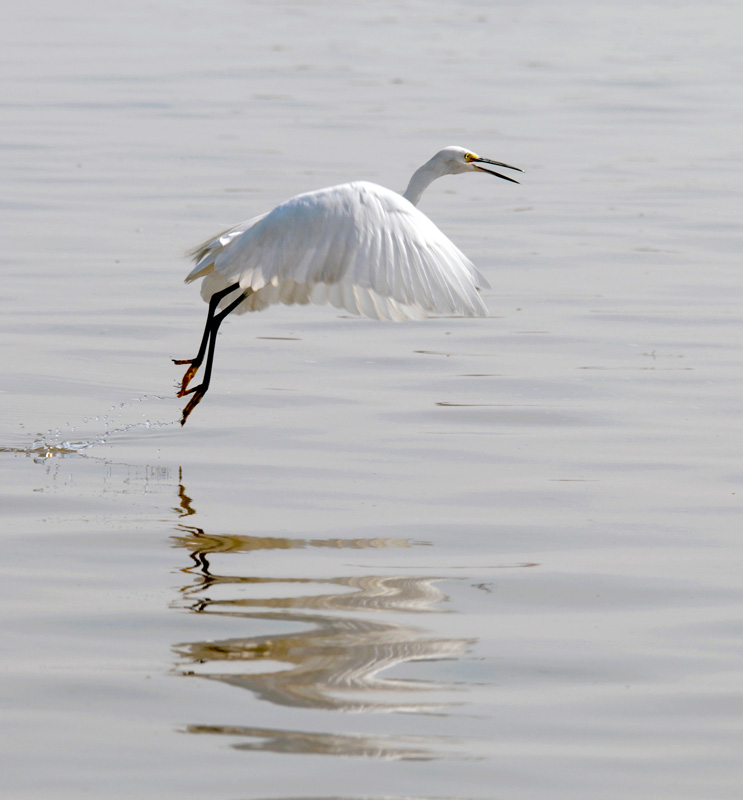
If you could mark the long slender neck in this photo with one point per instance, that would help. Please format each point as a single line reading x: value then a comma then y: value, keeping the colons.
x: 421, y: 179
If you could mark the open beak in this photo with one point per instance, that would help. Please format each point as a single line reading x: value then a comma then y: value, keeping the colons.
x: 476, y: 161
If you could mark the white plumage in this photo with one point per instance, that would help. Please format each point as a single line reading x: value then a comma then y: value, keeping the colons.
x: 358, y: 246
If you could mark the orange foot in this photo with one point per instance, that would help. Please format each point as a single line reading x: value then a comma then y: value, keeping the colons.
x: 198, y: 393
x: 190, y: 372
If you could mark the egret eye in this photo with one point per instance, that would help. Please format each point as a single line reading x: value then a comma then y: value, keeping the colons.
x: 469, y: 157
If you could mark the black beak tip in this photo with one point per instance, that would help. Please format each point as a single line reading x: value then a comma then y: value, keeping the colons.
x: 496, y: 164
x: 499, y: 175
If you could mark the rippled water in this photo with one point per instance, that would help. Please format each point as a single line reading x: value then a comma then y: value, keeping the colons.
x: 493, y: 558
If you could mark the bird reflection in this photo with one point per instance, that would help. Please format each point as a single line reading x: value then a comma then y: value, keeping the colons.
x: 399, y: 748
x: 324, y: 642
x: 334, y: 665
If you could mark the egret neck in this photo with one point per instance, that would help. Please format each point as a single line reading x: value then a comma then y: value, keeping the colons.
x: 423, y: 177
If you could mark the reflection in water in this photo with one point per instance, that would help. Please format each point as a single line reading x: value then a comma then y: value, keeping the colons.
x: 328, y: 641
x: 402, y: 748
x: 334, y: 665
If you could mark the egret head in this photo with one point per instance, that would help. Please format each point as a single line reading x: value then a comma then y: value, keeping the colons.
x: 451, y: 161
x: 455, y: 159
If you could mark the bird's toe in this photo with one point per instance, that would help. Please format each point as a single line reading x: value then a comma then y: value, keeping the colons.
x: 190, y: 372
x: 192, y: 403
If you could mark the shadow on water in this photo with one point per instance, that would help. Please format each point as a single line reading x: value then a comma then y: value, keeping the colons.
x: 328, y: 640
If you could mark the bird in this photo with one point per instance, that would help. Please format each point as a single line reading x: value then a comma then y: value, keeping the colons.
x: 358, y: 246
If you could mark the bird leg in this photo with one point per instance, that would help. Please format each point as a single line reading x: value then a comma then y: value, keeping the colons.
x: 210, y: 337
x: 195, y: 363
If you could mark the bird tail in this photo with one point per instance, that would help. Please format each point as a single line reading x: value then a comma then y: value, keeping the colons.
x: 206, y: 253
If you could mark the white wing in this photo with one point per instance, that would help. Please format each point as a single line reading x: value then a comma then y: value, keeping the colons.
x: 358, y: 246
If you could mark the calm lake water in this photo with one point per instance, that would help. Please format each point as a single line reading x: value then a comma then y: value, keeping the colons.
x: 473, y: 559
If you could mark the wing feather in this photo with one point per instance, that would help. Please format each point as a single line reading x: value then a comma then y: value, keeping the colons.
x: 358, y: 246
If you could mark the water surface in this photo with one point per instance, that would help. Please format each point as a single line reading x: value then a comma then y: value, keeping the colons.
x: 493, y: 558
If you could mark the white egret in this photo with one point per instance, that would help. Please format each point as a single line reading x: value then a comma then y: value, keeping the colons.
x: 358, y: 246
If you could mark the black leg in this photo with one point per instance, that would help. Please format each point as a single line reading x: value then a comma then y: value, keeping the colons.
x: 210, y: 336
x: 195, y: 363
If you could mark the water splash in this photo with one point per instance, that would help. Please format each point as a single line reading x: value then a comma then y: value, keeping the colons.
x: 58, y: 443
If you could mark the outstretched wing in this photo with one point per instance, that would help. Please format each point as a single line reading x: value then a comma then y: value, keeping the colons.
x: 358, y: 246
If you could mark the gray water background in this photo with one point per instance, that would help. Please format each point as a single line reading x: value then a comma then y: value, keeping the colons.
x: 485, y: 559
